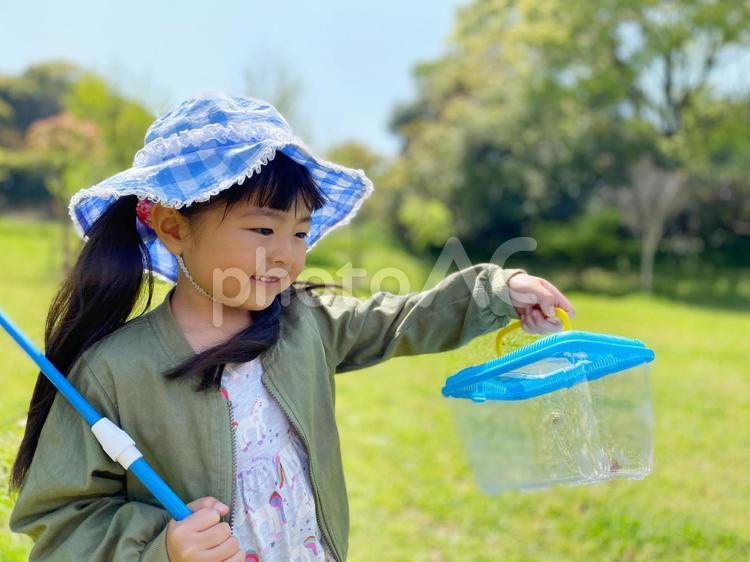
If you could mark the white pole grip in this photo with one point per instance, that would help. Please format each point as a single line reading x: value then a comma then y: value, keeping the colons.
x: 116, y: 443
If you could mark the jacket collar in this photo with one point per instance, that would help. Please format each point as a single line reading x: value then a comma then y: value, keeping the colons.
x: 175, y: 343
x: 178, y: 347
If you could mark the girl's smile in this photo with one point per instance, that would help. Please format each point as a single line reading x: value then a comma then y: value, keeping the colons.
x: 267, y: 281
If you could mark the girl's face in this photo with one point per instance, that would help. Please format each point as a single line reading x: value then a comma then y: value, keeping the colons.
x: 227, y: 257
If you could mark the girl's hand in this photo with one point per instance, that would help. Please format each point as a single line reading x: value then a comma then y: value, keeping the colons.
x: 202, y: 536
x: 535, y: 300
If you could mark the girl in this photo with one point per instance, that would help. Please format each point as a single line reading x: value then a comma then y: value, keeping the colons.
x: 227, y: 385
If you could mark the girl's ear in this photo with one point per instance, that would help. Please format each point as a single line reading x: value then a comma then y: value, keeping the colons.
x: 171, y: 227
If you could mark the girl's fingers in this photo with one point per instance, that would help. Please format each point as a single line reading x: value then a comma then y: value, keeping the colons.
x: 227, y: 550
x: 205, y: 501
x: 545, y: 323
x: 540, y: 317
x: 525, y: 324
x: 560, y: 299
x: 547, y: 301
x: 554, y: 324
x: 202, y: 519
x: 536, y: 320
x: 548, y: 324
x: 214, y: 536
x: 238, y: 557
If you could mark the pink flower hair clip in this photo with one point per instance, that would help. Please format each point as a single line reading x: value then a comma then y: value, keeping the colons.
x: 143, y: 210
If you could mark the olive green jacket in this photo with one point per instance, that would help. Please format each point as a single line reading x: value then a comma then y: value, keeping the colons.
x: 78, y: 505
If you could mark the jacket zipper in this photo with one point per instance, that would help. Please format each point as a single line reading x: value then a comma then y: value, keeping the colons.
x: 234, y: 464
x: 309, y: 465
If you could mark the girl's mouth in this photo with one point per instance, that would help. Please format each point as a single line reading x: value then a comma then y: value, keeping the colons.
x: 266, y: 281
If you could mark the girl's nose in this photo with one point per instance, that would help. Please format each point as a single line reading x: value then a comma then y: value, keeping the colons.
x: 281, y: 252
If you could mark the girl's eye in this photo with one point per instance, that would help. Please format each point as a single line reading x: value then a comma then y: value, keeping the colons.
x: 304, y: 234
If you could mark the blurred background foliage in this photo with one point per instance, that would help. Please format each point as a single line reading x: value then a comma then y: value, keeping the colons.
x: 610, y: 132
x: 606, y: 130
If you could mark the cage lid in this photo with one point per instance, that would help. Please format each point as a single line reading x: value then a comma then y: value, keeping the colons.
x: 560, y: 360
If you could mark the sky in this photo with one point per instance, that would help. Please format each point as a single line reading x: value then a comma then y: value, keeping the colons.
x: 351, y: 59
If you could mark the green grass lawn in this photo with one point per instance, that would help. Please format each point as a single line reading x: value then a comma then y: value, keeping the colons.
x: 412, y: 495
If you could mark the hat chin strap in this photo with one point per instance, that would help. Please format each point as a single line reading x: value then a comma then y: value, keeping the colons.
x: 192, y: 281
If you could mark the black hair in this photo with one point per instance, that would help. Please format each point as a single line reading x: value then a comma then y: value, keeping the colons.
x: 99, y: 293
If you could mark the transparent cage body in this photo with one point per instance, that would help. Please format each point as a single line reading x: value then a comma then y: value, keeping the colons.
x: 560, y: 411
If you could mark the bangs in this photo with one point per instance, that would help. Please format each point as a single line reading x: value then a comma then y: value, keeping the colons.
x: 281, y: 183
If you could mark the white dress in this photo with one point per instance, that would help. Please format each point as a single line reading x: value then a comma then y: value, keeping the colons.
x: 274, y: 506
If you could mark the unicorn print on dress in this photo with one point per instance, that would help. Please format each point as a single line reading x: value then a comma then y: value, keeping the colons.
x: 252, y: 430
x: 274, y: 515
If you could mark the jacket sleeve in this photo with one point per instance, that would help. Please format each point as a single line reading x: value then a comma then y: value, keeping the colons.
x: 467, y: 303
x: 72, y: 501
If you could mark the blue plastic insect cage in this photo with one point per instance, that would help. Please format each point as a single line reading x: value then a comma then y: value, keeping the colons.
x: 570, y: 408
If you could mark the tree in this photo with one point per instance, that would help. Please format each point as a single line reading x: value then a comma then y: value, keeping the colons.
x: 36, y: 93
x: 537, y: 105
x: 650, y: 198
x: 356, y: 155
x: 67, y: 147
x: 122, y: 123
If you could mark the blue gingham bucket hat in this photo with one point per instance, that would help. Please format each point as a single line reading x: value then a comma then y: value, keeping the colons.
x: 206, y: 144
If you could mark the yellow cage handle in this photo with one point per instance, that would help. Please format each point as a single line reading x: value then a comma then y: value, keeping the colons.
x: 559, y: 312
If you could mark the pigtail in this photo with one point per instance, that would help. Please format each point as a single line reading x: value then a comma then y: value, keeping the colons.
x: 95, y: 299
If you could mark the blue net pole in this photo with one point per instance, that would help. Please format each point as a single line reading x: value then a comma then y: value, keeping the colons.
x: 114, y: 441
